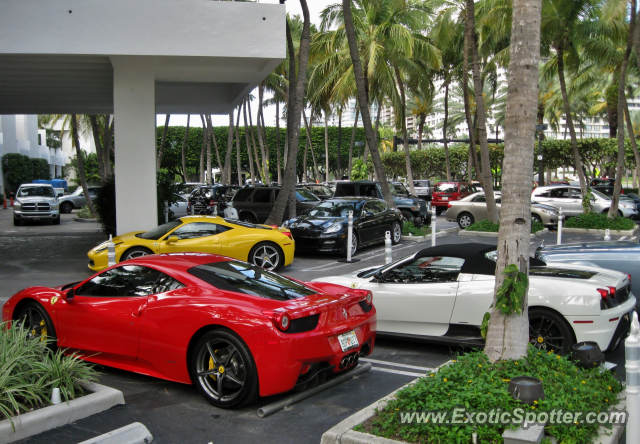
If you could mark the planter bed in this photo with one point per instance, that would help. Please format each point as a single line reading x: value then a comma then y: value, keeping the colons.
x: 494, y: 234
x: 99, y: 399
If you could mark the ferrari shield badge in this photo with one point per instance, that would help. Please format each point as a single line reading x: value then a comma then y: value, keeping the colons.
x: 54, y: 299
x: 354, y: 284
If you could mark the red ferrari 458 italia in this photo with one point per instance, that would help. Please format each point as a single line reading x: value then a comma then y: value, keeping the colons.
x: 233, y: 329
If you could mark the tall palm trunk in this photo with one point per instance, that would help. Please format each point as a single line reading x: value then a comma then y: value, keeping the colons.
x: 226, y: 171
x: 567, y: 112
x: 363, y: 100
x: 508, y: 335
x: 246, y: 135
x: 253, y: 141
x: 81, y: 175
x: 205, y: 136
x: 405, y: 136
x: 481, y: 114
x: 278, y: 157
x: 326, y: 146
x: 108, y: 144
x: 613, y: 210
x: 421, y: 120
x: 340, y: 173
x: 473, y: 152
x: 162, y: 141
x: 316, y: 171
x: 184, y: 150
x: 444, y: 129
x: 95, y: 129
x: 353, y: 138
x: 215, y: 141
x: 238, y: 164
x: 261, y: 141
x: 294, y: 110
x: 209, y: 173
x: 632, y: 136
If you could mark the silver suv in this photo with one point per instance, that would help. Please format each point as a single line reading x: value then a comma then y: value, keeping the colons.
x: 423, y: 188
x: 36, y: 201
x: 570, y: 200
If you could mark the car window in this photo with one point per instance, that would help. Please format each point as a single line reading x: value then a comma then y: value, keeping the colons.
x: 123, y: 281
x: 541, y: 194
x: 243, y: 195
x: 381, y: 206
x: 333, y: 209
x: 420, y: 183
x: 160, y: 231
x: 370, y: 190
x: 346, y: 190
x: 369, y: 207
x: 195, y: 230
x: 600, y: 195
x: 227, y: 193
x: 320, y: 191
x: 262, y: 196
x: 250, y: 279
x: 576, y: 194
x: 446, y: 188
x: 304, y: 195
x: 166, y: 283
x: 559, y: 193
x: 431, y: 269
x: 36, y: 191
x: 480, y: 198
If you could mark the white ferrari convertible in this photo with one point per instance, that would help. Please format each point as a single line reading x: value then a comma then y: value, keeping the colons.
x: 442, y: 293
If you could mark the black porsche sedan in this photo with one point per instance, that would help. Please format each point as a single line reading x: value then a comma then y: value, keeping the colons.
x: 324, y: 228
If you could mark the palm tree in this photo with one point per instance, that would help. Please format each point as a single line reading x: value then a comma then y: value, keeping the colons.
x: 508, y: 334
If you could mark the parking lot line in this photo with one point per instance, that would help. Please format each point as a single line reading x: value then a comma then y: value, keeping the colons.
x: 396, y: 364
x: 397, y: 372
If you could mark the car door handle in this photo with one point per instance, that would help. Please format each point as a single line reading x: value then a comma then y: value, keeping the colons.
x: 140, y: 310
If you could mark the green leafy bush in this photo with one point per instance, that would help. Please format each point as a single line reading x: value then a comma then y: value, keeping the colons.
x: 474, y: 383
x: 600, y: 221
x: 489, y: 227
x: 29, y: 371
x: 105, y: 204
x: 19, y: 169
x: 166, y: 192
x: 84, y: 213
x: 408, y: 228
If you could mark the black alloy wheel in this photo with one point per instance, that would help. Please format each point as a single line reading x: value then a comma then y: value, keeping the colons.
x: 550, y: 331
x: 354, y: 244
x: 223, y: 369
x: 266, y: 255
x: 396, y: 233
x: 465, y: 220
x: 66, y: 207
x: 35, y: 320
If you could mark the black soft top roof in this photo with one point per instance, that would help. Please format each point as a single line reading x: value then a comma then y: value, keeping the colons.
x: 475, y: 261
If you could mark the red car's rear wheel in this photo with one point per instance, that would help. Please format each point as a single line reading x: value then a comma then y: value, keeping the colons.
x: 223, y: 369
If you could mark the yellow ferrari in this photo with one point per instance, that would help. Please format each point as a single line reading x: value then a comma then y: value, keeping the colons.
x: 265, y: 246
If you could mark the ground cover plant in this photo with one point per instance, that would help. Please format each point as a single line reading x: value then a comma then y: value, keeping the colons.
x: 29, y: 370
x: 408, y: 228
x: 473, y: 383
x: 600, y: 221
x: 84, y: 213
x: 490, y: 227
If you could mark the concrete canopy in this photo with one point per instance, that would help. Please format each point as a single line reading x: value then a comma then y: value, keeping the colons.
x: 133, y: 59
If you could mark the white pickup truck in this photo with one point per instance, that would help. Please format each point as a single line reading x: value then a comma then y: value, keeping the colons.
x: 36, y: 201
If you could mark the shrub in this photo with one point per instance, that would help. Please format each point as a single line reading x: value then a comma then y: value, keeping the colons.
x: 489, y: 227
x: 410, y: 228
x: 476, y: 384
x: 105, y: 204
x: 40, y: 169
x: 600, y: 221
x: 84, y: 213
x: 167, y: 190
x: 29, y: 370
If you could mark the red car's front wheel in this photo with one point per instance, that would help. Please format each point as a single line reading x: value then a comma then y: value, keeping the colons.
x: 223, y: 369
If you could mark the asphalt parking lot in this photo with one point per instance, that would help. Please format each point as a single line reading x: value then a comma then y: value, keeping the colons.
x: 176, y: 413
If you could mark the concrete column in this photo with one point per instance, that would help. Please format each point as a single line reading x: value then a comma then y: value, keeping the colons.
x: 135, y: 144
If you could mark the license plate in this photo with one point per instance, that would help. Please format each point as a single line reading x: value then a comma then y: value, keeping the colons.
x: 445, y: 198
x: 36, y: 218
x: 348, y: 341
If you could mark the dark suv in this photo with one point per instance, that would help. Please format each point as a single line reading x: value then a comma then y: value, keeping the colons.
x: 254, y: 205
x: 413, y: 209
x: 203, y: 199
x: 604, y: 186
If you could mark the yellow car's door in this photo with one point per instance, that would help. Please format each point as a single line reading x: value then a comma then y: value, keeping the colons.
x: 201, y: 237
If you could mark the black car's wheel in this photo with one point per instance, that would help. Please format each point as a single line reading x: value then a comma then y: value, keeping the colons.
x: 536, y: 218
x: 465, y: 220
x: 354, y: 244
x: 266, y: 255
x: 66, y: 207
x: 396, y: 232
x: 248, y: 218
x: 550, y: 331
x: 223, y: 369
x: 135, y: 252
x: 407, y: 216
x: 35, y: 320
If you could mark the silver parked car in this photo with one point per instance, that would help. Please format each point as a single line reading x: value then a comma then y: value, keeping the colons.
x: 76, y: 200
x: 423, y: 188
x: 36, y: 201
x: 569, y: 198
x: 474, y: 208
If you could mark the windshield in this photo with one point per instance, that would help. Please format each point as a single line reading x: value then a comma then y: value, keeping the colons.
x: 384, y: 268
x: 36, y: 191
x: 421, y: 183
x: 250, y: 279
x: 446, y: 188
x: 600, y: 195
x: 305, y: 196
x: 160, y: 231
x: 400, y: 189
x: 333, y: 209
x: 321, y: 191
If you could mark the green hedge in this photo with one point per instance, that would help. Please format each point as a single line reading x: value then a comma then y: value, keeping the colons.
x: 600, y: 221
x: 490, y: 227
x: 19, y: 169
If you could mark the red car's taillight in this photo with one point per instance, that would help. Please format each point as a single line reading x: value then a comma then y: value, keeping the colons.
x: 280, y: 319
x: 449, y: 205
x: 212, y: 203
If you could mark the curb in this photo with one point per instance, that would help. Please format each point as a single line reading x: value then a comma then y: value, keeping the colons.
x: 492, y: 234
x: 31, y: 423
x: 601, y: 232
x: 86, y: 219
x: 343, y: 433
x: 135, y: 433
